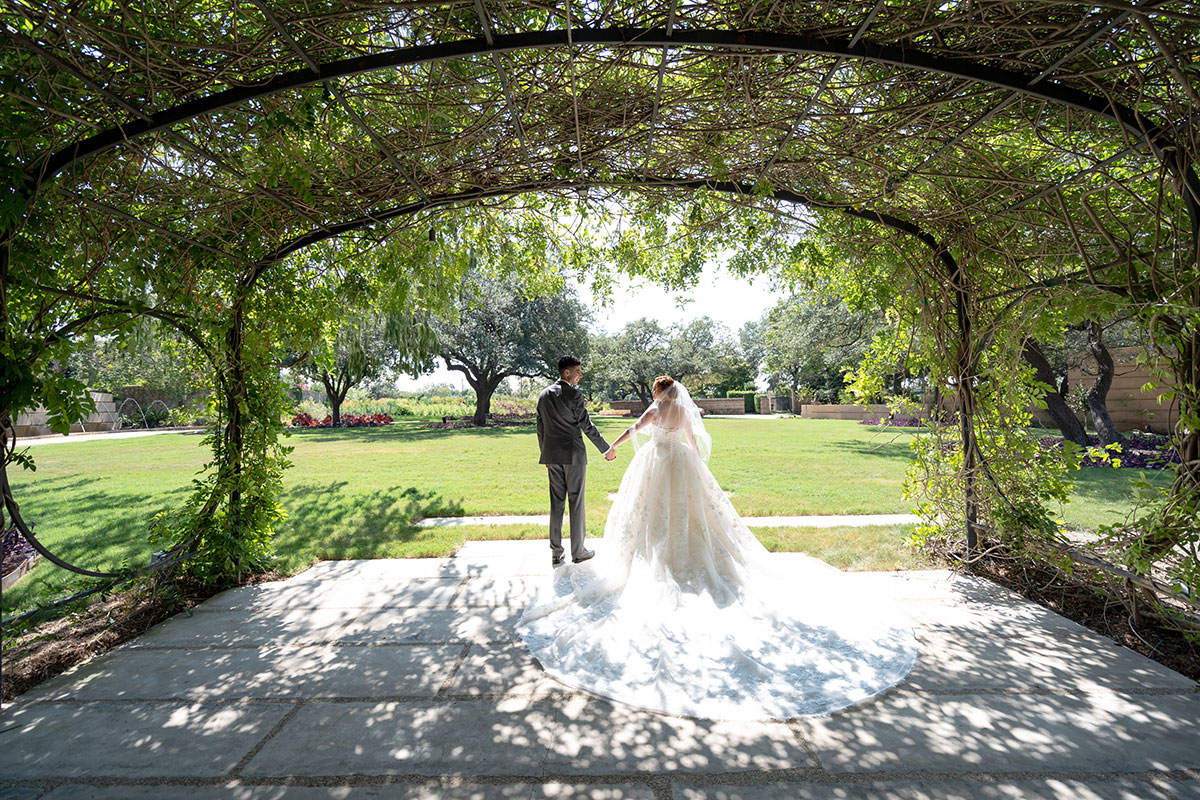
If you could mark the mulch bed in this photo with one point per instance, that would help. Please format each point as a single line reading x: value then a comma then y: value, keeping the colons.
x: 58, y: 644
x: 1141, y: 451
x: 1046, y: 587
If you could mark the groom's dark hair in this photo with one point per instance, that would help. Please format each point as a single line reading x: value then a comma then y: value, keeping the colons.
x: 566, y: 362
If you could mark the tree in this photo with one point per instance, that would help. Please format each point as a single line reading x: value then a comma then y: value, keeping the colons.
x: 1091, y: 339
x: 701, y: 353
x: 809, y: 341
x: 629, y: 361
x: 152, y: 354
x: 750, y: 337
x: 704, y: 355
x: 1097, y: 397
x: 366, y: 344
x: 1055, y: 395
x: 502, y: 332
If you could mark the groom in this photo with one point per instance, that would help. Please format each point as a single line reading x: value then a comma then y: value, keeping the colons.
x: 561, y: 415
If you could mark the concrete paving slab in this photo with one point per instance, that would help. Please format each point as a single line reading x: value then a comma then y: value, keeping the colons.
x: 949, y: 662
x: 433, y: 791
x: 246, y: 628
x: 1010, y: 733
x: 505, y: 549
x: 391, y: 625
x: 930, y: 790
x: 966, y: 708
x: 131, y: 740
x: 497, y: 519
x: 987, y: 619
x: 20, y: 793
x: 513, y: 591
x: 269, y: 672
x: 931, y: 585
x: 515, y: 737
x: 1183, y: 790
x: 375, y: 569
x: 357, y: 593
x: 845, y: 520
x: 590, y: 736
x: 499, y: 566
x: 507, y: 737
x: 501, y: 669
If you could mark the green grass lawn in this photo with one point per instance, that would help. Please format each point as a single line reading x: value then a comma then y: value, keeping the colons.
x: 353, y: 493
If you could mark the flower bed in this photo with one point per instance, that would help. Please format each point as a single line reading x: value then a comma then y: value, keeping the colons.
x: 1144, y: 451
x: 348, y: 421
x: 18, y: 557
x: 897, y: 421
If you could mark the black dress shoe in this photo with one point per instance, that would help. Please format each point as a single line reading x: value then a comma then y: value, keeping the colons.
x: 557, y: 561
x: 586, y: 555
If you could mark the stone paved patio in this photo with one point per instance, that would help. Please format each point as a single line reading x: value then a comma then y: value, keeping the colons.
x: 404, y: 679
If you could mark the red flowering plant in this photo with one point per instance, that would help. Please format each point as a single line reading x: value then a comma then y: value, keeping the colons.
x: 348, y: 421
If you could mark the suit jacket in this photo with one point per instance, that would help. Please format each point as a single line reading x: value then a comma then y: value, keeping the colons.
x: 561, y: 417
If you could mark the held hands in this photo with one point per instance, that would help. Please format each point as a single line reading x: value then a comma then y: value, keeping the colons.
x: 610, y: 454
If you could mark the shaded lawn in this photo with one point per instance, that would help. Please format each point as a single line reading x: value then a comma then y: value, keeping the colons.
x: 1103, y: 495
x: 353, y: 493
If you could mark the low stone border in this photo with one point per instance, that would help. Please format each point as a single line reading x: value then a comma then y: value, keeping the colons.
x: 20, y: 571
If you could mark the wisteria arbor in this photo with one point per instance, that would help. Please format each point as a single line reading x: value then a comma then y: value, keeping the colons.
x: 984, y: 161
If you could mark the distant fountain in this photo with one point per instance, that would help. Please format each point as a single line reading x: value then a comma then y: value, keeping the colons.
x: 165, y: 408
x: 142, y: 413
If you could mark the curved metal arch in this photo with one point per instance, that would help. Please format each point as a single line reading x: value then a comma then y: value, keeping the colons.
x: 1133, y: 122
x: 940, y: 250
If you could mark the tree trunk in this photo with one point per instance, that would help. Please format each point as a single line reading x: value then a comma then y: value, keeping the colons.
x: 336, y: 392
x: 1070, y: 426
x: 1097, y: 398
x: 484, y: 390
x: 933, y: 411
x: 643, y: 392
x: 234, y: 400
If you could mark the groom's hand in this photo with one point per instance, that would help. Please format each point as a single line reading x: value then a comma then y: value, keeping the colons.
x: 610, y: 454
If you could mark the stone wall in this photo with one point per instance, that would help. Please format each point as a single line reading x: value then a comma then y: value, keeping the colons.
x: 104, y: 418
x: 855, y: 412
x: 143, y: 396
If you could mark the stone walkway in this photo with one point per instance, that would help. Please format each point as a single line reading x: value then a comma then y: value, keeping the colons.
x: 405, y: 679
x: 35, y: 441
x: 845, y: 520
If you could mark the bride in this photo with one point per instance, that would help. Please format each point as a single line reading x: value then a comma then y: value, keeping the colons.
x: 683, y: 610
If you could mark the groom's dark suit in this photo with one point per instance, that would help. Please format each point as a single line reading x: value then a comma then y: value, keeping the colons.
x: 561, y: 417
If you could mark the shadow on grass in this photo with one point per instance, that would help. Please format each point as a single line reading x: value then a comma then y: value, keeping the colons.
x: 879, y: 446
x: 326, y: 521
x: 403, y: 433
x: 81, y: 520
x: 1097, y: 486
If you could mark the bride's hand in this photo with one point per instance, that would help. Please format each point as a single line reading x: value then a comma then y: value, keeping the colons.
x: 610, y: 454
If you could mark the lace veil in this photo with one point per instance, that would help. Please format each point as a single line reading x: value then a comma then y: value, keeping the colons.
x: 677, y: 412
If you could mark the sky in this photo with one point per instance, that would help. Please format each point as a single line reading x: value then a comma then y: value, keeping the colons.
x: 728, y: 299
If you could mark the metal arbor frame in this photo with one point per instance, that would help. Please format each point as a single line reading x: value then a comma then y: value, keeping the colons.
x: 925, y: 69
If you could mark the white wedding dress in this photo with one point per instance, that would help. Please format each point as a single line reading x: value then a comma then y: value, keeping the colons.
x: 683, y: 611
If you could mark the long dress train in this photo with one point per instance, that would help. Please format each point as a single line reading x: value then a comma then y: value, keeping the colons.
x: 682, y: 610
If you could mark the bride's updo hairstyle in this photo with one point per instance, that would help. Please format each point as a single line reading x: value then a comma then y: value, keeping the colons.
x: 675, y: 411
